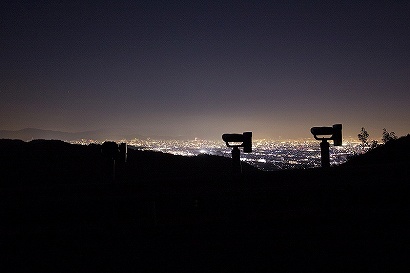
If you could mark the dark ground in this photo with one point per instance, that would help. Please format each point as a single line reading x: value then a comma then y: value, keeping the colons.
x: 60, y: 211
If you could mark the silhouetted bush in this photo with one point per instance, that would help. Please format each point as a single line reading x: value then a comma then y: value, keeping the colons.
x: 387, y: 136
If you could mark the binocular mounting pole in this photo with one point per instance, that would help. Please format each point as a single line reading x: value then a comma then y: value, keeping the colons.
x: 236, y: 160
x: 324, y: 153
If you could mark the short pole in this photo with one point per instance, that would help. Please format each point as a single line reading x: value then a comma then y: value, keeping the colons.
x: 113, y: 170
x: 236, y: 161
x: 324, y: 152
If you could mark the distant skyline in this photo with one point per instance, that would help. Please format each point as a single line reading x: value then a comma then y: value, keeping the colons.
x: 202, y: 68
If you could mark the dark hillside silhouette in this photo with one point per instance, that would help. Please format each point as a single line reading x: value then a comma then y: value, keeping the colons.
x: 395, y: 151
x: 57, y: 162
x: 59, y: 208
x: 49, y: 162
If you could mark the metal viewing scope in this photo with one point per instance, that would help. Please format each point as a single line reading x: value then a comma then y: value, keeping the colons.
x: 334, y: 133
x: 235, y: 141
x: 239, y: 140
x: 324, y: 134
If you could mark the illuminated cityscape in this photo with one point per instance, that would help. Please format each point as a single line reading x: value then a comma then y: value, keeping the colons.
x: 266, y: 154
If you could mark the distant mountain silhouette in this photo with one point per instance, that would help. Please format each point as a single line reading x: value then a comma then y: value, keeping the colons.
x: 28, y: 134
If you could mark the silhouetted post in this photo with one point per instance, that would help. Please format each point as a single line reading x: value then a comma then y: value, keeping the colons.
x: 113, y: 170
x: 154, y: 214
x: 123, y: 152
x: 235, y: 141
x: 236, y: 161
x: 118, y: 156
x: 328, y: 133
x: 110, y: 150
x: 121, y: 162
x: 324, y: 153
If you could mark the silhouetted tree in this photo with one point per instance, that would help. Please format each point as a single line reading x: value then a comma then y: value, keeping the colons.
x: 374, y: 144
x: 363, y: 136
x: 386, y: 136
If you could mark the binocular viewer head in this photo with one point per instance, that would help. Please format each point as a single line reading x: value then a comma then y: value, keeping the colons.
x: 328, y: 133
x: 239, y: 140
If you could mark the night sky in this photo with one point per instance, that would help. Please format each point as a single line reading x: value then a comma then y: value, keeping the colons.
x: 203, y: 68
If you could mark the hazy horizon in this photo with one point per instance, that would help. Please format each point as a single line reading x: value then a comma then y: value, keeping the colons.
x: 104, y: 134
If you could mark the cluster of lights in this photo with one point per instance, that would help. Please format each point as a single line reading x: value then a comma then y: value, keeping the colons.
x: 266, y: 155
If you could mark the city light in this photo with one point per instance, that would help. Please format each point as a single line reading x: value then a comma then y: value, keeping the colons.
x: 267, y: 154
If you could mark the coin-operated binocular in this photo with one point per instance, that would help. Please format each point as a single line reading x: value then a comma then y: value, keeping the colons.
x: 115, y: 152
x: 235, y: 141
x: 324, y: 134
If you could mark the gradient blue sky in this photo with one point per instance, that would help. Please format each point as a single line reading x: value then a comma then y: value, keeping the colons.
x: 203, y: 68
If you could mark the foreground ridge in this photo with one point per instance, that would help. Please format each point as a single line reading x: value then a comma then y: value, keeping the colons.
x: 169, y: 212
